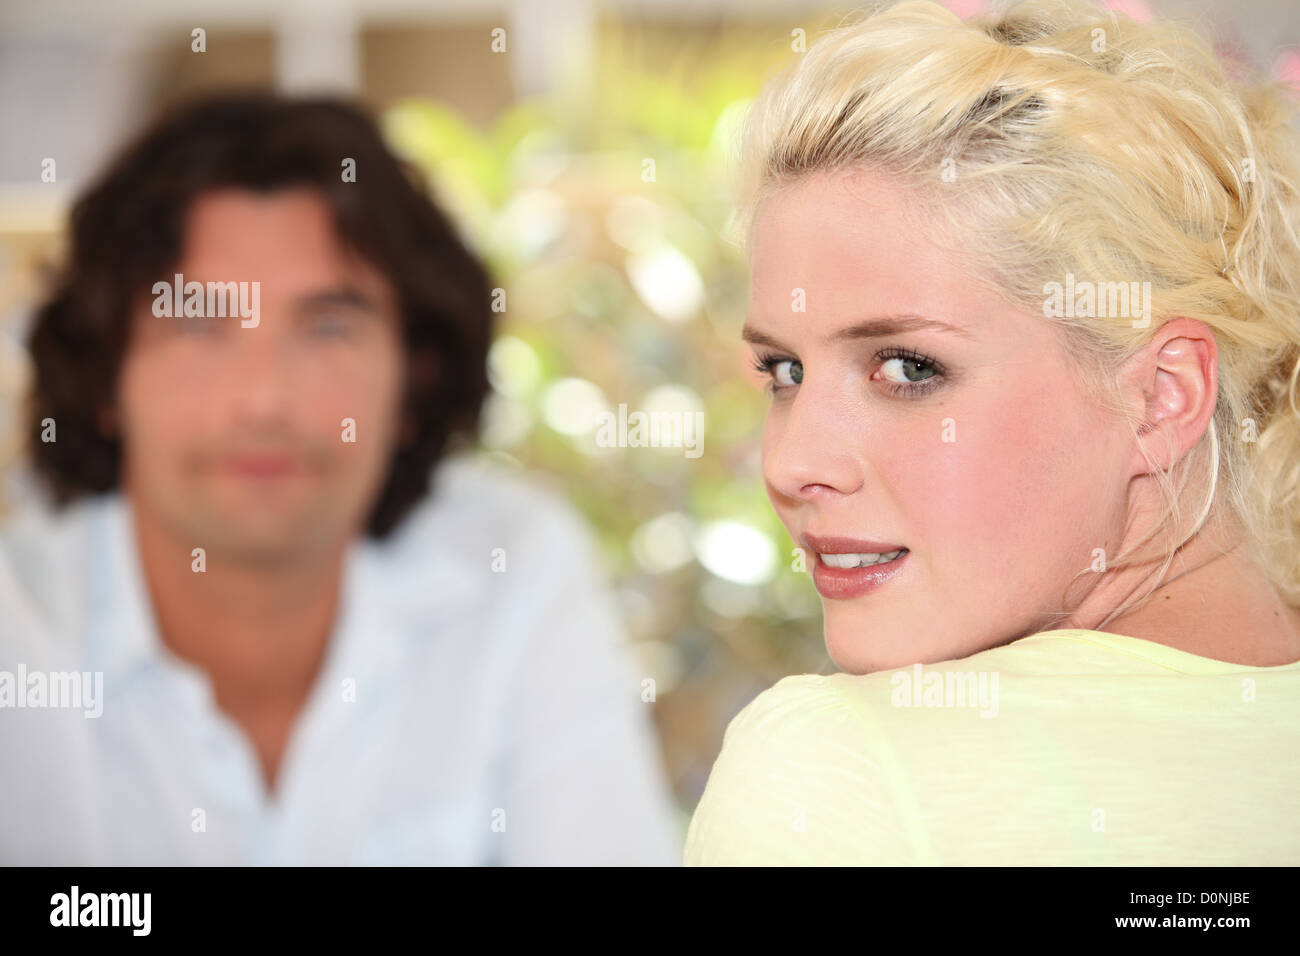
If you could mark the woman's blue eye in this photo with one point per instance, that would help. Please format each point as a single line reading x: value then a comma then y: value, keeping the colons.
x: 912, y: 370
x: 787, y: 372
x: 783, y: 372
x: 908, y: 374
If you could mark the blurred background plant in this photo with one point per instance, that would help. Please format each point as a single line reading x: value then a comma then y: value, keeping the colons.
x: 605, y: 214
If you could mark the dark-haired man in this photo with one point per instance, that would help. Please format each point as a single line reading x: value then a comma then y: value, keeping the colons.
x: 296, y: 654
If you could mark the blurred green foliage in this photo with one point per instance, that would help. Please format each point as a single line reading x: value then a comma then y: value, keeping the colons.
x: 604, y: 213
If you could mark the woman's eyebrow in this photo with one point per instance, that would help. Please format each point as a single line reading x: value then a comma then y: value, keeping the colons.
x: 893, y: 324
x: 867, y: 328
x: 754, y: 337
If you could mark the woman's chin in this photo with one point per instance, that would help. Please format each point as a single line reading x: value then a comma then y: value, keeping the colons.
x: 858, y: 654
x: 864, y: 649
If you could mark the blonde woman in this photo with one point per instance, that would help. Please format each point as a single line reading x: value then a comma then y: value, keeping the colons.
x: 1028, y: 294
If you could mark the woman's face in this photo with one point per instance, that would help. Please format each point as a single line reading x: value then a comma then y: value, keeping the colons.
x: 972, y: 447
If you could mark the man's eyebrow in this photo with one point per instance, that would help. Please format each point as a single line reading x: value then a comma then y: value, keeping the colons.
x: 345, y: 296
x: 868, y: 329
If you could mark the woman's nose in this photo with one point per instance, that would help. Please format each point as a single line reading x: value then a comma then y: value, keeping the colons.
x: 810, y: 449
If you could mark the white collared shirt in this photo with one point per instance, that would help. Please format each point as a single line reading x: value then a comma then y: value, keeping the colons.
x: 463, y: 715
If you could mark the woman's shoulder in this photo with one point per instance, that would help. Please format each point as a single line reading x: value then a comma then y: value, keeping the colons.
x: 801, y: 722
x: 797, y: 700
x: 796, y: 782
x: 817, y: 705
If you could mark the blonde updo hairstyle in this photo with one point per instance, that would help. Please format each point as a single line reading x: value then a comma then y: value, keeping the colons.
x: 1058, y: 138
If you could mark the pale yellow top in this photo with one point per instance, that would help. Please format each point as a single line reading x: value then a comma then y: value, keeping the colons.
x: 1066, y: 747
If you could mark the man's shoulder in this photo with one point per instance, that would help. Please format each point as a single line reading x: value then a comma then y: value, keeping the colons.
x: 44, y: 564
x: 37, y: 532
x: 473, y: 498
x: 479, y: 519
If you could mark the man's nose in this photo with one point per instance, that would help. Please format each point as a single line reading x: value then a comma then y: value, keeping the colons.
x: 261, y: 372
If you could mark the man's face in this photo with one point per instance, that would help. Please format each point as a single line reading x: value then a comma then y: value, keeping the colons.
x: 264, y: 442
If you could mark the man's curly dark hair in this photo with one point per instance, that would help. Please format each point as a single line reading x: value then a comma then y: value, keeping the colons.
x: 127, y: 230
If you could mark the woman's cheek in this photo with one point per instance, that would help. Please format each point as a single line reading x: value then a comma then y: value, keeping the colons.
x: 964, y: 495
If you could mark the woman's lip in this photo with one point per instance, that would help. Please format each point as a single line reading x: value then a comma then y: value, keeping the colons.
x: 832, y: 545
x: 846, y: 583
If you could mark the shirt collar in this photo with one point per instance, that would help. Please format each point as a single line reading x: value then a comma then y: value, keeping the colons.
x: 392, y: 592
x: 123, y: 632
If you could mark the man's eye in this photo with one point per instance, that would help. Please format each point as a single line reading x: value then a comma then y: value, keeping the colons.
x: 331, y: 325
x: 196, y: 325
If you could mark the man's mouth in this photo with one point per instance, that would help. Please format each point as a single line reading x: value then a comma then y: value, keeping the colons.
x: 261, y: 466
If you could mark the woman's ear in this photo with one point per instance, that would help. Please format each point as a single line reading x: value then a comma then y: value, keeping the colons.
x: 1177, y: 374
